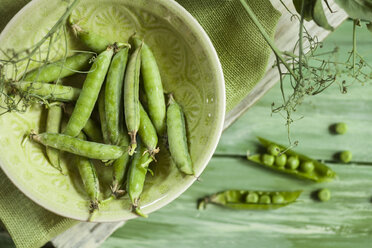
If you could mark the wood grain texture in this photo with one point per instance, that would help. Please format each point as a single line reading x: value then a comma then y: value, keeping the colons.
x: 86, y: 235
x: 91, y: 235
x: 341, y: 222
x: 344, y: 221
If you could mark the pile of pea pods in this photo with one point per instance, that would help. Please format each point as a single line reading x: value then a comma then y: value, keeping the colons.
x: 128, y: 133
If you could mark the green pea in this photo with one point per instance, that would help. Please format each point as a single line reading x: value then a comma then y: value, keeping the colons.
x: 46, y: 91
x: 293, y: 162
x: 346, y: 156
x: 307, y: 166
x: 273, y: 150
x: 267, y: 159
x: 252, y: 197
x: 324, y: 195
x: 233, y: 196
x: 278, y: 199
x: 281, y: 160
x: 265, y: 199
x: 341, y: 128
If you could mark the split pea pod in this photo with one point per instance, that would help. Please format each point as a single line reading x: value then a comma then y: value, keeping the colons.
x: 152, y: 86
x: 113, y: 93
x: 177, y: 137
x: 89, y: 93
x: 131, y: 101
x: 60, y: 69
x: 78, y: 146
x: 297, y: 164
x: 137, y: 175
x: 147, y: 132
x: 120, y: 166
x: 91, y: 128
x: 89, y: 177
x: 251, y: 200
x: 53, y: 92
x: 53, y: 125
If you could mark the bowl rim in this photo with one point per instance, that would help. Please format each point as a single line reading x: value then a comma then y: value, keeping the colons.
x: 194, y: 25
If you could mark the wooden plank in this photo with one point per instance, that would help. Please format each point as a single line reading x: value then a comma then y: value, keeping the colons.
x: 285, y: 40
x: 86, y: 235
x: 318, y: 112
x: 342, y: 222
x: 79, y: 235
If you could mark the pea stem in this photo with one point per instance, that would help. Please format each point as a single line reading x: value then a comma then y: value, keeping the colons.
x: 354, y: 51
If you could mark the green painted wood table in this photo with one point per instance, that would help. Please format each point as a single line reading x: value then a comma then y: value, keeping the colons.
x: 344, y: 221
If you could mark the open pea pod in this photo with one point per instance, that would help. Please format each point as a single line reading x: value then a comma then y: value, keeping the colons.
x: 251, y: 200
x: 319, y: 173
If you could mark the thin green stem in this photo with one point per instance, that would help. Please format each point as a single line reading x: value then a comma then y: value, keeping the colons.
x: 354, y: 45
x: 300, y: 41
x: 267, y: 38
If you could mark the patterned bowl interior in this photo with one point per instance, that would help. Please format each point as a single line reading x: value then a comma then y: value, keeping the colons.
x: 189, y: 69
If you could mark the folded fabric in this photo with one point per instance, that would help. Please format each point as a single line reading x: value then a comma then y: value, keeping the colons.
x: 243, y: 54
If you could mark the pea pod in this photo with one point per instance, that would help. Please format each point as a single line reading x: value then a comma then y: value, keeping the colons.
x: 131, y: 101
x: 177, y: 137
x: 319, y: 172
x: 147, y: 132
x: 113, y: 94
x: 91, y: 128
x: 53, y: 92
x: 53, y: 125
x: 251, y: 200
x: 60, y: 69
x: 89, y: 93
x: 90, y: 39
x: 89, y: 177
x: 136, y: 176
x: 120, y: 167
x: 102, y: 117
x: 152, y: 86
x: 77, y: 146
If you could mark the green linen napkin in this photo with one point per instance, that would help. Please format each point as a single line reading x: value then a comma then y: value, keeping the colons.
x: 242, y: 50
x: 243, y: 54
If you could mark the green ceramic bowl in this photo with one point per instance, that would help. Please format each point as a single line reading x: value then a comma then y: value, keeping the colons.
x: 189, y: 67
